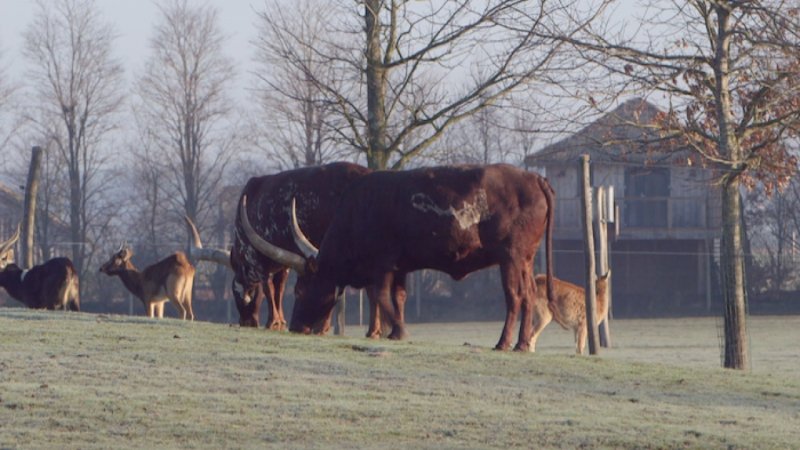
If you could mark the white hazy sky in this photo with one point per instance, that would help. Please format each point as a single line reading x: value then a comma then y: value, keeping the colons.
x: 134, y: 21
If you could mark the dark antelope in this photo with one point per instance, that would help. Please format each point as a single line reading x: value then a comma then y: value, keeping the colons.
x: 52, y: 285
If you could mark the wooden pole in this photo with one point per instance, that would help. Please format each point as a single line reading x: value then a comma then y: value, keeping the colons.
x: 602, y: 246
x: 588, y: 232
x: 29, y: 208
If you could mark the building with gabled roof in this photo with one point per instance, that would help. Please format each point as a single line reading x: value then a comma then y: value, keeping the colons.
x: 666, y: 236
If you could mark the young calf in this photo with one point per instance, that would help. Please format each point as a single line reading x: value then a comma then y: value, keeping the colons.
x: 169, y: 279
x: 568, y: 308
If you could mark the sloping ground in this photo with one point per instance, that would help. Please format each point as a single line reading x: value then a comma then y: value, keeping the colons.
x: 79, y: 380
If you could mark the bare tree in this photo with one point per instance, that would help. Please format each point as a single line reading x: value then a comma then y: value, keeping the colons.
x: 404, y: 72
x: 77, y: 83
x: 294, y: 115
x: 5, y: 134
x: 185, y: 106
x: 729, y: 71
x: 773, y: 223
x: 6, y: 91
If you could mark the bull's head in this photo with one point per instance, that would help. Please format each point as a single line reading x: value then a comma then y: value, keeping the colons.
x: 7, y: 250
x: 314, y: 294
x: 118, y: 262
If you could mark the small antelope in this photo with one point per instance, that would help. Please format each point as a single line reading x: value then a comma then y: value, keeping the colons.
x: 169, y: 279
x: 568, y: 308
x: 52, y: 285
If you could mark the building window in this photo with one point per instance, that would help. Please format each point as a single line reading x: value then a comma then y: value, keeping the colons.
x: 646, y: 197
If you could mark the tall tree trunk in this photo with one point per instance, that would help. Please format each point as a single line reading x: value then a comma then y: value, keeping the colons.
x: 377, y: 155
x: 75, y: 213
x: 732, y: 265
x: 733, y: 285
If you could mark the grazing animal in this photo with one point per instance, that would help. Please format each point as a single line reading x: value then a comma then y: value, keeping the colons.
x: 455, y: 219
x: 268, y: 203
x: 568, y: 308
x: 52, y: 285
x: 169, y: 279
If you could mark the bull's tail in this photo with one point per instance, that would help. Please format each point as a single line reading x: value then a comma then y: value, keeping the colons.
x: 549, y: 195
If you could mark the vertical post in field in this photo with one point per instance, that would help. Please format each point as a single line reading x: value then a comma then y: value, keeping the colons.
x: 588, y: 232
x: 29, y: 208
x: 602, y: 249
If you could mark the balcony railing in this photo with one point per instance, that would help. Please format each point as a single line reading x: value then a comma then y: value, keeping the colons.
x: 656, y: 214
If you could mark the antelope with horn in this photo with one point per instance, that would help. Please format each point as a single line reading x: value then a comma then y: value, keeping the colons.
x: 169, y: 279
x: 52, y: 285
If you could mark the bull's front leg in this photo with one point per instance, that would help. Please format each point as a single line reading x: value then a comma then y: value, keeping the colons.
x: 528, y: 289
x: 374, y: 329
x: 273, y: 292
x: 399, y: 296
x: 510, y: 278
x: 382, y: 296
x: 279, y: 280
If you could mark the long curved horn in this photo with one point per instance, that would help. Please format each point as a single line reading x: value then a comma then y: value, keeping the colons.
x: 300, y: 239
x: 196, y: 250
x: 197, y: 243
x: 275, y: 253
x: 5, y: 246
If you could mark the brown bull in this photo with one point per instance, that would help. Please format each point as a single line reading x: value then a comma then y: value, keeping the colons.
x: 453, y: 219
x: 267, y: 208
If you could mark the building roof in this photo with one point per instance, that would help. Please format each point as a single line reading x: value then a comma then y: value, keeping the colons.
x: 628, y: 133
x: 10, y: 196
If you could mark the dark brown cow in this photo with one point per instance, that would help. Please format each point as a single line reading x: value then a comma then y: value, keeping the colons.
x: 453, y: 219
x: 268, y: 203
x: 52, y: 285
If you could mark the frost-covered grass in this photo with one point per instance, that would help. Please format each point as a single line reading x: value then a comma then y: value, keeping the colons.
x: 93, y: 381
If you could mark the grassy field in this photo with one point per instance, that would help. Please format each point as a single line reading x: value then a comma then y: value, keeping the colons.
x: 79, y: 380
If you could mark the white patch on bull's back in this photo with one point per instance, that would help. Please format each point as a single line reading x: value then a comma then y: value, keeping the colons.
x: 468, y: 215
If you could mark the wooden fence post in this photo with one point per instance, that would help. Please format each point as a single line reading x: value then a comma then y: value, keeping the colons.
x: 602, y: 248
x: 29, y: 208
x: 586, y: 194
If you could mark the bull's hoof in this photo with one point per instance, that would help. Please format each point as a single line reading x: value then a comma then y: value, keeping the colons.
x: 398, y: 334
x: 501, y: 347
x: 522, y: 348
x: 373, y: 335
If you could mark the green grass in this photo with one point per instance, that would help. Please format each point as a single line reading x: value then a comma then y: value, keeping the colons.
x: 93, y: 381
